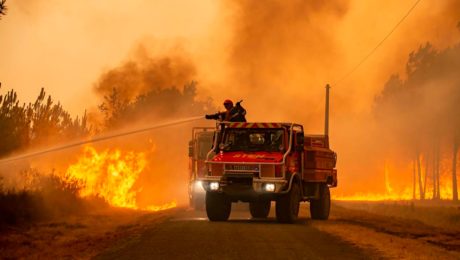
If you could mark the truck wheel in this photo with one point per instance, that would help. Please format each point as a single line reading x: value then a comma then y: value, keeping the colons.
x: 287, y: 206
x: 259, y: 209
x: 218, y: 206
x: 319, y: 208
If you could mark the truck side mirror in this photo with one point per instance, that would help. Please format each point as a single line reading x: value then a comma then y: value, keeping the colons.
x: 190, y: 149
x: 300, y: 139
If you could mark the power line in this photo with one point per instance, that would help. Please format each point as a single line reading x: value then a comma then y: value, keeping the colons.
x: 377, y: 46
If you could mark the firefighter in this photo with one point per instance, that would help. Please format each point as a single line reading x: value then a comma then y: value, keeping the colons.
x: 233, y: 114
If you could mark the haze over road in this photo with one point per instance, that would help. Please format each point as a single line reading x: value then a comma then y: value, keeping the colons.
x: 189, y: 235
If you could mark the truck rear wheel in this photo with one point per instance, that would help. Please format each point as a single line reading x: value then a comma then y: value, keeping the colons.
x: 287, y: 206
x: 218, y: 206
x: 319, y: 208
x: 259, y: 209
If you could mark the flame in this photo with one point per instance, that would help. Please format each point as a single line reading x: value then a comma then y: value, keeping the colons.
x: 387, y: 180
x: 169, y: 205
x: 405, y: 192
x: 111, y: 175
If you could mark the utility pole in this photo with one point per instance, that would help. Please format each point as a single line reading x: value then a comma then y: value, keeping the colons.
x: 454, y: 170
x: 326, y: 119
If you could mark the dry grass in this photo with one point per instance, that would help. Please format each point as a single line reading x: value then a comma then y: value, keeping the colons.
x: 46, y: 219
x: 42, y: 198
x: 437, y: 213
x: 401, y: 230
x: 76, y: 237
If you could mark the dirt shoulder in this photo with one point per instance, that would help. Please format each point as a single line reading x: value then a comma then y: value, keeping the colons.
x: 80, y: 237
x: 395, y: 236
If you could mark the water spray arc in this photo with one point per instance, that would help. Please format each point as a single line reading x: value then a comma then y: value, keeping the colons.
x: 99, y: 139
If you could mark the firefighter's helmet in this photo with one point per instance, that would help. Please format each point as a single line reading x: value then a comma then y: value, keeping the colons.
x: 228, y: 102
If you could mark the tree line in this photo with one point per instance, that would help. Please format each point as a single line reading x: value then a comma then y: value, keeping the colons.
x: 3, y: 8
x: 42, y: 122
x: 420, y: 110
x: 155, y: 104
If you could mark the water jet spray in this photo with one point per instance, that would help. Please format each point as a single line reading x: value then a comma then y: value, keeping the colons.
x: 99, y: 139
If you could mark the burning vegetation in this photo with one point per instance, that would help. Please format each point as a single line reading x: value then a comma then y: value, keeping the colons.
x: 111, y: 175
x: 108, y: 174
x: 417, y: 124
x: 126, y: 176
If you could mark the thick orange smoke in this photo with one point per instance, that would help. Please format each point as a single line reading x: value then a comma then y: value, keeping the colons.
x: 281, y: 54
x: 142, y: 73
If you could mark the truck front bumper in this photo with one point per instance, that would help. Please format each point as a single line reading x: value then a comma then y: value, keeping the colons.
x: 240, y: 188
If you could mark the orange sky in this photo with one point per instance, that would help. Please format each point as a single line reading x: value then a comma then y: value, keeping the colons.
x: 65, y: 45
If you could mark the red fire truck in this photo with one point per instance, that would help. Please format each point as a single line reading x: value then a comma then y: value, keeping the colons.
x: 199, y: 147
x: 264, y: 162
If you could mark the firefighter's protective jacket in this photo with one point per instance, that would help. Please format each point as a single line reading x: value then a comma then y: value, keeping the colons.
x: 235, y: 114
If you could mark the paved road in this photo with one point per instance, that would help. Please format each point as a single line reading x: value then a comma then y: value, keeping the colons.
x: 189, y: 235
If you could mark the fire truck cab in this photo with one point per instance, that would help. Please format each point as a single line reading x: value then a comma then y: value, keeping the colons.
x: 199, y: 145
x: 264, y: 162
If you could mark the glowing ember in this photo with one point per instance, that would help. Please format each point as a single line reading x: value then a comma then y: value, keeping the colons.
x: 111, y: 175
x: 162, y: 207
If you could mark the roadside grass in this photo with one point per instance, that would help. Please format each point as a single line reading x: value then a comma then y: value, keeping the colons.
x: 438, y: 213
x: 40, y: 198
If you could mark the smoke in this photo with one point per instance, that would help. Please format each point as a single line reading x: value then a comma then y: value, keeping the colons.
x: 142, y: 74
x: 420, y: 114
x: 147, y: 89
x: 281, y: 52
x: 278, y: 55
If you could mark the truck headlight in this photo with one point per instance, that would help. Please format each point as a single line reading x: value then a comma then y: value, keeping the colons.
x: 214, y: 185
x: 270, y: 187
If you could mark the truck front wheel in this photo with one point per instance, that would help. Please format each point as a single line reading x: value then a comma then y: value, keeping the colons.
x: 319, y: 208
x: 287, y: 206
x: 218, y: 206
x: 259, y: 209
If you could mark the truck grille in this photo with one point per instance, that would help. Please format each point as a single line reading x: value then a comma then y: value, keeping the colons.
x: 242, y: 168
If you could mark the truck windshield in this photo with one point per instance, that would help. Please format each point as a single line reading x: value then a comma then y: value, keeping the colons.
x: 254, y: 140
x: 204, y: 145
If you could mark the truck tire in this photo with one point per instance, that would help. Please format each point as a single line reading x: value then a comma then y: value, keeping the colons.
x: 218, y: 206
x: 319, y: 208
x: 287, y: 206
x: 259, y: 209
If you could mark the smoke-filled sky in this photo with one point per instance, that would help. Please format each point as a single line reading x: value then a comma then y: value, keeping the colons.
x: 261, y: 51
x: 276, y: 55
x: 64, y: 46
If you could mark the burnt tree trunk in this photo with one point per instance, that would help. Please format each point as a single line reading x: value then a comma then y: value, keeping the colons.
x: 435, y: 190
x: 419, y: 171
x: 454, y: 170
x: 426, y: 173
x: 438, y: 177
x: 414, y: 180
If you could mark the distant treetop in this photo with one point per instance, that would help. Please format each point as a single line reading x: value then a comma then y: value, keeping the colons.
x: 3, y: 8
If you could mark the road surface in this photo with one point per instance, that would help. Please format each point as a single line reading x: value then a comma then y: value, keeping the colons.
x: 189, y: 235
